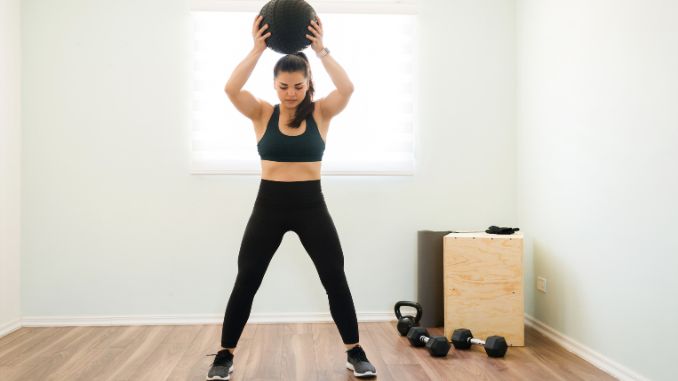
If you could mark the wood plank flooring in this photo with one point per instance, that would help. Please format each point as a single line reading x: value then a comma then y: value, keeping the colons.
x: 266, y: 352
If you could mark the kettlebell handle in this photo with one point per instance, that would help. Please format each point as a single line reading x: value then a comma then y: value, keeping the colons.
x: 408, y: 304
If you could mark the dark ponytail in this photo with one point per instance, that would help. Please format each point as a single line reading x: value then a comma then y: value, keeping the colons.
x: 292, y: 63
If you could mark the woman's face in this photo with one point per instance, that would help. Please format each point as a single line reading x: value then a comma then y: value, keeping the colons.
x: 291, y: 88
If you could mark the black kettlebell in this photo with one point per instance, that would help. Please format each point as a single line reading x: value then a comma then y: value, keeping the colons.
x: 288, y: 22
x: 406, y: 322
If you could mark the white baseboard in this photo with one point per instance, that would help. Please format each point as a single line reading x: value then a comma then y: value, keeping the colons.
x: 262, y: 318
x: 596, y: 359
x: 10, y: 327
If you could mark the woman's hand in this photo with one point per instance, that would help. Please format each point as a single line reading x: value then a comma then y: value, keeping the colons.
x: 316, y: 38
x: 258, y: 35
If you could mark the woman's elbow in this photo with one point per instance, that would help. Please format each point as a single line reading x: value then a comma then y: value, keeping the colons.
x: 228, y: 89
x: 347, y: 90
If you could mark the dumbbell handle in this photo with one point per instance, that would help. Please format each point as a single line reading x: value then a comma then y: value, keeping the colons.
x: 424, y: 339
x: 473, y: 340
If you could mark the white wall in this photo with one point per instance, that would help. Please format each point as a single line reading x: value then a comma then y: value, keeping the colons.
x: 115, y: 225
x: 597, y: 134
x: 10, y: 164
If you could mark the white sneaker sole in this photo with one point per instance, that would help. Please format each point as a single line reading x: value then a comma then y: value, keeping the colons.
x: 230, y: 370
x: 364, y: 374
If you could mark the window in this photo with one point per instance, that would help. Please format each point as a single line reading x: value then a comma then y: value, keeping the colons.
x: 374, y: 41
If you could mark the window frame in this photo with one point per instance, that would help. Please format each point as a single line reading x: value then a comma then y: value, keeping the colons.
x: 405, y: 7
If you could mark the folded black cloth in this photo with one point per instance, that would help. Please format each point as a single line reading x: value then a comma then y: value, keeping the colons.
x: 501, y: 230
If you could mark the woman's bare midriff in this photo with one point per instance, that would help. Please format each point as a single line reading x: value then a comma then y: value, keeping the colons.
x: 282, y: 171
x: 290, y: 171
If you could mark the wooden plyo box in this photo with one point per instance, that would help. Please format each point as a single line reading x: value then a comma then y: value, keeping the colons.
x: 483, y: 285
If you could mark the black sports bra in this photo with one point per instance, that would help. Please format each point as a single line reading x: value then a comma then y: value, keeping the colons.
x: 276, y: 146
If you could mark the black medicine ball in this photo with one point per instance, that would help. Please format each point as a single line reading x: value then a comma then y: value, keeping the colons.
x: 288, y: 22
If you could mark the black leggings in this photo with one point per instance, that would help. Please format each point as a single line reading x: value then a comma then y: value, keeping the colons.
x: 298, y: 206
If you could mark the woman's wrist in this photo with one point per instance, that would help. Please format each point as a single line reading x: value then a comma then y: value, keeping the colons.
x: 322, y: 52
x: 257, y: 51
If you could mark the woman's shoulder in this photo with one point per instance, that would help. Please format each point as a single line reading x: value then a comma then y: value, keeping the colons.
x: 266, y: 106
x: 317, y: 114
x: 267, y: 110
x: 266, y: 114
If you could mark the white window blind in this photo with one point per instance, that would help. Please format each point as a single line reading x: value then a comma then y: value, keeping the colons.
x: 374, y: 41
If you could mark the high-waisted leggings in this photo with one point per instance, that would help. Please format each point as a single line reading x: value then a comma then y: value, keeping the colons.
x: 297, y: 206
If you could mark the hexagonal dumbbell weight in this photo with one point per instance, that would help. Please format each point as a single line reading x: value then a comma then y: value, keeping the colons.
x: 438, y: 346
x: 495, y: 346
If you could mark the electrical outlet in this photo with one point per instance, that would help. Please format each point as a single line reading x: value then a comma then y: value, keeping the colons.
x: 541, y: 284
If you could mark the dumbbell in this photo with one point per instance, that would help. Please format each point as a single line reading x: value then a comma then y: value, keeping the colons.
x: 408, y: 321
x: 495, y: 346
x: 437, y: 346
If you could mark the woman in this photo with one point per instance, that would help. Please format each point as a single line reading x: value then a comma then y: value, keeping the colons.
x: 291, y: 141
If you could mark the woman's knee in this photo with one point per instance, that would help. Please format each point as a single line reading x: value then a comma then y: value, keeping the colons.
x: 248, y: 280
x: 334, y: 282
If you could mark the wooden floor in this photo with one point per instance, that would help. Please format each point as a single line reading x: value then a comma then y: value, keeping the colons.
x: 266, y: 352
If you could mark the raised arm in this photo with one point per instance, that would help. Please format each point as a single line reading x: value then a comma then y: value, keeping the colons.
x: 338, y: 98
x: 243, y: 100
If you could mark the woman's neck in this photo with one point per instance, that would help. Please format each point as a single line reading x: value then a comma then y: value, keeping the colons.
x: 287, y: 113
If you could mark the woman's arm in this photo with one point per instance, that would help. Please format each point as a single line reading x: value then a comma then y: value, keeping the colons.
x: 243, y: 100
x: 336, y: 100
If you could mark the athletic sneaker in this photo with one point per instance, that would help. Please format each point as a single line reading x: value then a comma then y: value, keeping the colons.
x: 358, y: 363
x: 222, y: 367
